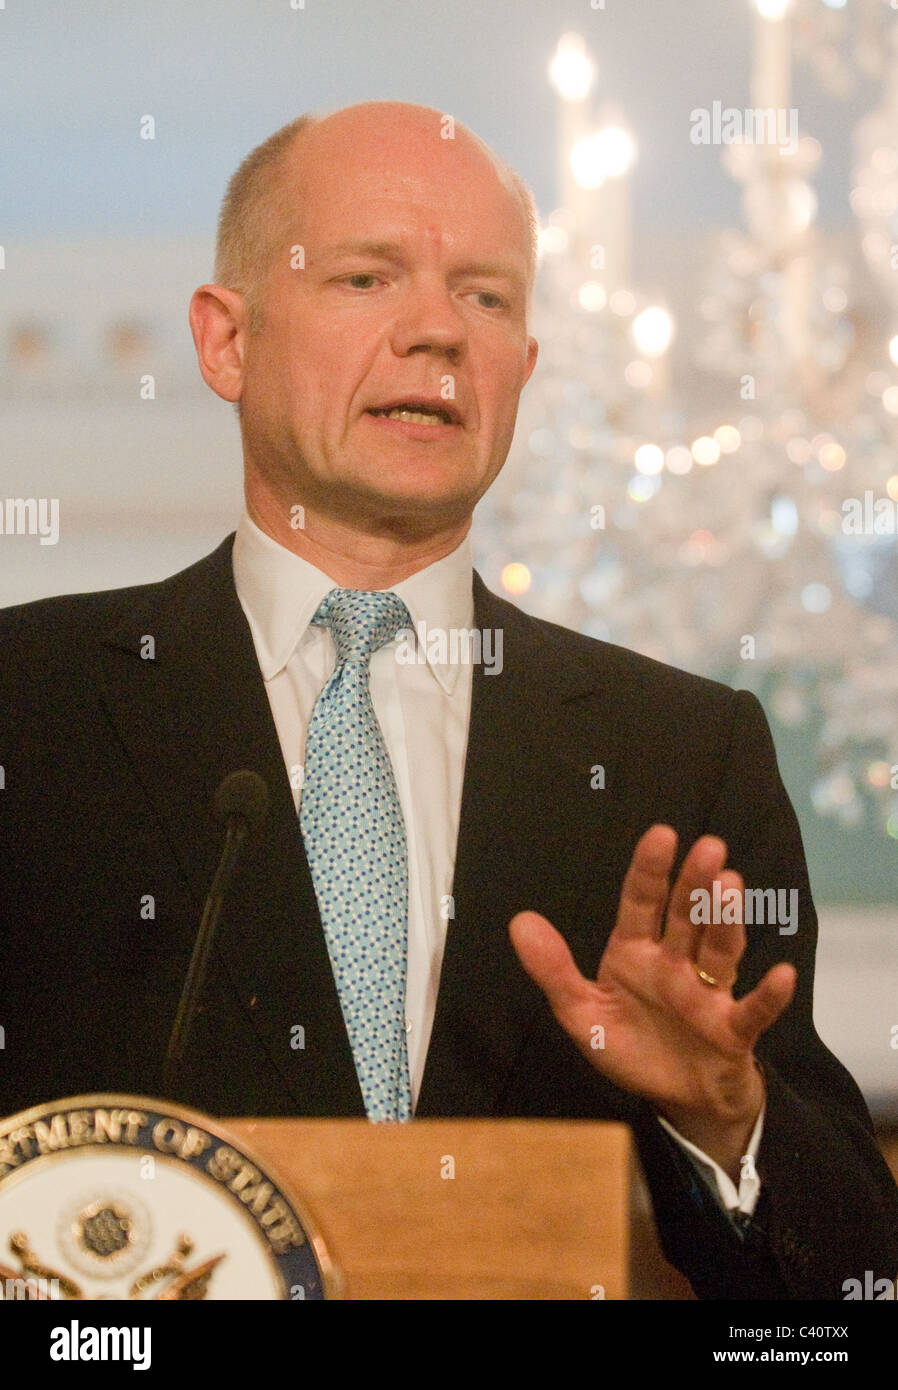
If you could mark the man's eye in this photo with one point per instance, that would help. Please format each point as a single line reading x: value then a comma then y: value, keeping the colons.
x: 497, y: 299
x: 361, y: 275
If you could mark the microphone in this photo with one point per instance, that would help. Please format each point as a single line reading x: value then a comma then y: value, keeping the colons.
x: 241, y: 801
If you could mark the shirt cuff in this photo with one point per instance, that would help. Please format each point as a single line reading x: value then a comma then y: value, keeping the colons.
x: 734, y: 1200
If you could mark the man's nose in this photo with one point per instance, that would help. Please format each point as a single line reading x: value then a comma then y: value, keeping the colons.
x: 428, y: 320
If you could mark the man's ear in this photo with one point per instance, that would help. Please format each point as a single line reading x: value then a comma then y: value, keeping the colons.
x: 219, y: 324
x: 532, y: 351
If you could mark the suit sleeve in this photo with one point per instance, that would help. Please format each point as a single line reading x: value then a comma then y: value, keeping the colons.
x: 829, y: 1207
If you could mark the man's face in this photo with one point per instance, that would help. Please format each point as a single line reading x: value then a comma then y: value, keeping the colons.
x: 412, y: 291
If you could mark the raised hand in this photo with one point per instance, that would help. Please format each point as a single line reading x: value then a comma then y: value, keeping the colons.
x: 660, y: 1019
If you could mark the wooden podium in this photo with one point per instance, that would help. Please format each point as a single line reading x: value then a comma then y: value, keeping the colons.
x: 472, y: 1209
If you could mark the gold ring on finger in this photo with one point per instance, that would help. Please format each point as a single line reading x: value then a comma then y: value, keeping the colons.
x: 711, y: 980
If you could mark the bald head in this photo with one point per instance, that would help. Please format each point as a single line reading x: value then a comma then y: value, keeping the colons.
x: 261, y: 214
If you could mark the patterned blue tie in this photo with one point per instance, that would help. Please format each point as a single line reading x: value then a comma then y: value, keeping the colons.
x: 354, y: 834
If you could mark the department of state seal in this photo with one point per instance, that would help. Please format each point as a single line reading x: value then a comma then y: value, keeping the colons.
x: 123, y: 1197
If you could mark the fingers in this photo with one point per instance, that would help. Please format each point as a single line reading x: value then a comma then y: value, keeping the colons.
x: 545, y: 956
x: 753, y: 1015
x: 721, y: 943
x: 702, y: 865
x: 645, y: 889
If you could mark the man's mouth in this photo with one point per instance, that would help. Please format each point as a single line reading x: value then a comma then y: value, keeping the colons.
x: 415, y: 411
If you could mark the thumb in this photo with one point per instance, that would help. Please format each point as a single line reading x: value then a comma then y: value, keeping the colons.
x: 545, y: 955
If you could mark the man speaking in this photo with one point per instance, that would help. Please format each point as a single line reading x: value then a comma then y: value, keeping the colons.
x: 443, y: 914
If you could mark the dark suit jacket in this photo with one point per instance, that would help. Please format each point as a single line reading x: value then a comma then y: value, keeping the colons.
x: 111, y: 764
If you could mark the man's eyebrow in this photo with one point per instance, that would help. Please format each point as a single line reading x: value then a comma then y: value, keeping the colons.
x: 506, y: 269
x: 392, y: 251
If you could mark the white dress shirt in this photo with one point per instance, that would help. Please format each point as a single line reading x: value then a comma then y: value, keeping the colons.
x: 423, y: 709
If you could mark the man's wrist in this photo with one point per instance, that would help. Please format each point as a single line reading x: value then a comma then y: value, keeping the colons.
x: 723, y: 1135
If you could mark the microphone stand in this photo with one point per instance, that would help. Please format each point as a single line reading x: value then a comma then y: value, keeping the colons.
x: 237, y: 828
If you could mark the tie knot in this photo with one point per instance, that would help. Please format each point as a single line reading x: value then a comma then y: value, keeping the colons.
x: 361, y: 621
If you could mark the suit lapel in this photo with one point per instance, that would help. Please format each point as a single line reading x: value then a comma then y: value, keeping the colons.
x: 535, y: 731
x: 190, y: 715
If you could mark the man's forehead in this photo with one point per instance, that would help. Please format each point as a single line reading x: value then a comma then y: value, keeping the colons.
x: 390, y: 202
x: 392, y: 154
x: 444, y: 187
x: 385, y: 173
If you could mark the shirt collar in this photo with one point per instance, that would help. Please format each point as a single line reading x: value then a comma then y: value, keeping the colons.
x: 280, y: 592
